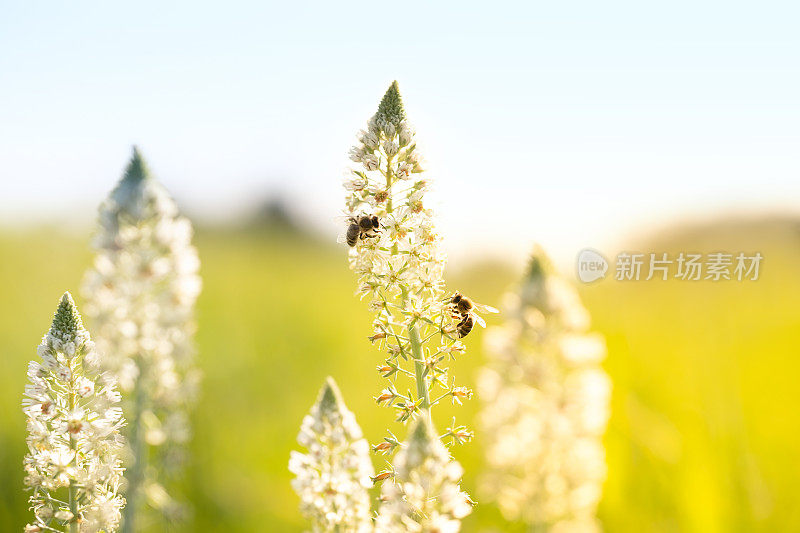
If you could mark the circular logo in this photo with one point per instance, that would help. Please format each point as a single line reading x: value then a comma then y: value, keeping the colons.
x: 591, y: 265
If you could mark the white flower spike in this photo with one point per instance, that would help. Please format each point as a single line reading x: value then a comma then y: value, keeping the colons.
x: 400, y: 265
x: 333, y: 477
x: 424, y: 495
x: 73, y: 466
x: 546, y: 407
x: 141, y: 294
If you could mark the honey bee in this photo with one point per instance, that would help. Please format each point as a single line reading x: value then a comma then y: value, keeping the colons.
x: 465, y: 309
x: 465, y: 326
x: 361, y: 227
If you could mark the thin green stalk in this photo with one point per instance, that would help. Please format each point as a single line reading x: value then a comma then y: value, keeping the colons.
x: 413, y: 330
x: 139, y: 452
x: 419, y: 368
x: 73, y: 487
x: 389, y: 184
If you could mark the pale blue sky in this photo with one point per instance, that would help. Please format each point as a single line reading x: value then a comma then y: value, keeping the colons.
x: 585, y: 121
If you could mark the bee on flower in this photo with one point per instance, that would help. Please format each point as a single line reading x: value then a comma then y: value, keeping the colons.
x: 397, y: 257
x: 466, y: 311
x: 73, y: 467
x: 394, y: 248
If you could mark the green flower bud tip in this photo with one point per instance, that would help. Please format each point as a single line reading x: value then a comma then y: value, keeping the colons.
x: 422, y: 432
x: 539, y: 265
x: 66, y: 320
x: 391, y: 106
x: 137, y: 169
x: 330, y: 398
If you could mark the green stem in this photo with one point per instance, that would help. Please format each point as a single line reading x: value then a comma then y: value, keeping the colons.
x: 139, y: 452
x: 419, y: 367
x: 73, y: 487
x: 389, y: 184
x: 413, y: 330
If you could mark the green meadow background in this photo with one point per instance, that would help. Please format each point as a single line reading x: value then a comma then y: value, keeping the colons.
x: 704, y: 434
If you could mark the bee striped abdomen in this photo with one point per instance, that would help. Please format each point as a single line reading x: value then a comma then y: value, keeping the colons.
x: 465, y: 326
x: 353, y: 231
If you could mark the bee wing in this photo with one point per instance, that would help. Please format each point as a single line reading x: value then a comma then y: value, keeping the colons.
x: 344, y: 222
x: 485, y: 308
x: 479, y: 320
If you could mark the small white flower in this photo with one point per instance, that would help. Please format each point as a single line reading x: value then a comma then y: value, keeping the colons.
x: 390, y: 147
x: 49, y: 361
x: 37, y: 390
x: 406, y: 134
x: 103, y: 514
x: 35, y: 370
x: 63, y: 373
x: 372, y: 125
x: 69, y: 349
x: 370, y: 162
x: 356, y: 153
x: 73, y: 422
x: 54, y: 342
x: 403, y: 170
x: 63, y: 515
x: 369, y: 139
x: 84, y: 386
x: 355, y: 184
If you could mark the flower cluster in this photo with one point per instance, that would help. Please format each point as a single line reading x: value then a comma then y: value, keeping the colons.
x: 333, y: 477
x: 73, y: 467
x: 399, y: 264
x: 424, y: 495
x: 141, y: 293
x: 546, y: 406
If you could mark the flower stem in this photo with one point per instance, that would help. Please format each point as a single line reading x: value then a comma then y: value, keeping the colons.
x: 73, y: 487
x: 139, y: 452
x: 419, y: 367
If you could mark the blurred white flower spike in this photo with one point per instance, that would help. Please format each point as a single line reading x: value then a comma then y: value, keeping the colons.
x: 73, y: 467
x: 141, y: 293
x: 424, y: 492
x: 332, y: 479
x: 546, y: 406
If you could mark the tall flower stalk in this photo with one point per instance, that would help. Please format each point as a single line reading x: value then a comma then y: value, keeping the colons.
x: 73, y: 466
x: 545, y: 406
x: 400, y: 266
x: 395, y: 251
x: 333, y: 477
x: 141, y: 293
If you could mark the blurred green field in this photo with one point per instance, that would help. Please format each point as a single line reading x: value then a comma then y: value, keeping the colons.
x: 704, y: 434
